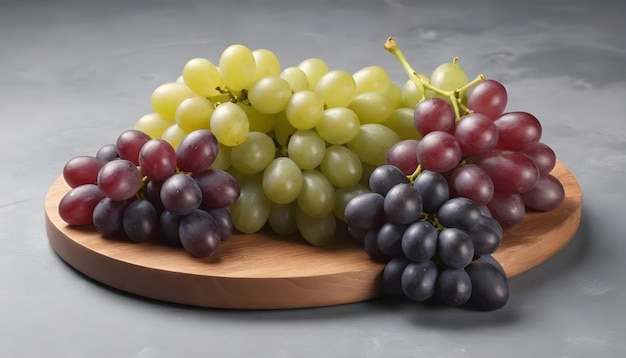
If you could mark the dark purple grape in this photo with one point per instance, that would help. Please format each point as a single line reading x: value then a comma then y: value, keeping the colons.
x: 180, y: 194
x: 455, y: 248
x: 356, y: 233
x: 433, y: 114
x: 392, y: 276
x: 219, y: 188
x: 199, y: 234
x: 152, y: 193
x: 507, y: 209
x: 77, y: 205
x: 454, y: 287
x: 547, y: 195
x: 516, y: 130
x: 460, y: 213
x: 129, y: 143
x: 107, y: 152
x: 224, y: 221
x: 366, y: 211
x: 197, y: 151
x: 486, y: 236
x: 170, y: 224
x: 403, y: 155
x: 433, y: 188
x: 119, y: 180
x: 141, y: 221
x: 419, y: 241
x: 157, y: 159
x: 370, y: 244
x: 419, y: 280
x: 403, y: 204
x: 82, y: 170
x: 389, y: 239
x: 490, y: 288
x: 108, y: 216
x: 386, y: 177
x: 488, y: 97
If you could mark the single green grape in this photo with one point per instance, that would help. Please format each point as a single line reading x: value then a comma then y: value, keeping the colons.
x: 230, y: 124
x: 194, y: 113
x: 343, y: 195
x: 251, y: 211
x: 270, y: 94
x: 338, y: 125
x: 237, y: 67
x: 259, y: 122
x: 314, y: 68
x: 267, y: 63
x: 173, y: 135
x: 296, y: 78
x: 316, y: 231
x: 411, y: 94
x: 254, y: 154
x: 306, y: 148
x: 317, y: 198
x: 447, y: 77
x: 394, y: 93
x: 336, y: 88
x: 373, y: 142
x: 401, y: 121
x: 341, y: 166
x: 153, y: 125
x: 202, y: 76
x: 282, y: 218
x: 372, y: 79
x: 372, y: 107
x: 166, y: 98
x: 304, y: 109
x: 282, y: 180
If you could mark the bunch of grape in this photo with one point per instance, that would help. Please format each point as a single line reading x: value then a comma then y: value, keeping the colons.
x: 436, y: 247
x: 298, y: 139
x: 145, y: 190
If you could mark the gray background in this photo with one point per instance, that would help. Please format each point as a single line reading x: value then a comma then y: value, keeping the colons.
x: 74, y: 74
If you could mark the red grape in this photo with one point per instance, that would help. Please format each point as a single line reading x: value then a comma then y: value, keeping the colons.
x: 157, y: 159
x: 197, y: 151
x: 438, y: 151
x: 119, y: 180
x: 433, y: 114
x: 129, y: 144
x: 77, y: 205
x: 476, y: 134
x: 516, y: 130
x: 487, y: 97
x: 403, y: 155
x: 511, y: 172
x: 82, y: 170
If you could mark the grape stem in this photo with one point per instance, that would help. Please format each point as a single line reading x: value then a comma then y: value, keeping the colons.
x: 418, y: 79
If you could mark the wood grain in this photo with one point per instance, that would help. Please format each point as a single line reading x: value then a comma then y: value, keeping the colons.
x: 264, y: 271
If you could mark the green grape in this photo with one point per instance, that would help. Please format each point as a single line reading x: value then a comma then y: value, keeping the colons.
x: 394, y: 93
x: 282, y: 181
x: 341, y: 166
x: 173, y: 135
x: 202, y: 76
x: 317, y: 198
x: 254, y: 154
x: 371, y: 79
x: 336, y: 88
x: 222, y: 161
x: 338, y: 125
x: 230, y: 124
x: 401, y: 121
x: 304, y: 109
x: 296, y: 77
x: 283, y: 130
x: 267, y: 64
x: 314, y: 68
x: 194, y: 113
x: 447, y: 77
x: 270, y: 94
x: 316, y: 231
x: 251, y: 211
x: 372, y: 107
x: 411, y: 94
x: 282, y: 218
x: 306, y: 148
x: 373, y: 142
x: 153, y: 125
x: 166, y: 98
x: 237, y: 67
x: 259, y: 122
x: 343, y: 196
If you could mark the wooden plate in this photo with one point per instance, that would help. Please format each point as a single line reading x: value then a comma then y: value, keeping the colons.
x: 263, y: 271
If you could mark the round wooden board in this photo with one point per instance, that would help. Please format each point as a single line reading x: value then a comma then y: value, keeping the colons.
x: 264, y: 271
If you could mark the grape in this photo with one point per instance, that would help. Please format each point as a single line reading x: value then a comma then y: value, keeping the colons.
x: 141, y: 221
x: 433, y: 188
x: 371, y: 107
x: 283, y: 130
x: 107, y: 153
x: 516, y: 130
x: 486, y: 236
x: 372, y: 79
x: 419, y: 241
x: 169, y: 224
x: 296, y: 78
x: 317, y: 197
x: 419, y: 280
x: 254, y: 154
x: 389, y: 239
x: 181, y: 194
x: 338, y: 125
x: 401, y: 122
x: 157, y: 159
x: 306, y: 148
x: 224, y: 222
x: 454, y: 287
x: 119, y: 180
x: 166, y: 98
x: 317, y: 231
x: 336, y: 88
x: 476, y: 134
x: 341, y: 166
x: 129, y: 143
x: 77, y: 205
x: 304, y: 109
x: 270, y: 95
x: 194, y: 113
x: 282, y: 180
x: 392, y: 275
x: 403, y: 204
x: 153, y: 125
x: 366, y: 211
x: 343, y: 195
x: 448, y: 77
x: 542, y: 155
x: 403, y: 156
x: 385, y: 177
x: 267, y: 64
x: 507, y: 209
x: 152, y: 193
x: 490, y: 289
x: 411, y: 94
x: 108, y: 215
x: 202, y: 76
x: 433, y: 114
x: 82, y: 170
x: 547, y: 195
x: 370, y: 245
x: 173, y: 135
x: 314, y: 68
x: 455, y: 248
x: 438, y: 151
x: 222, y: 160
x: 219, y: 189
x: 394, y: 93
x: 282, y: 218
x: 460, y: 213
x: 257, y: 121
x: 199, y: 234
x: 237, y: 67
x: 487, y: 97
x: 373, y: 142
x: 511, y: 172
x: 229, y: 124
x: 472, y: 182
x: 197, y: 151
x: 252, y: 209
